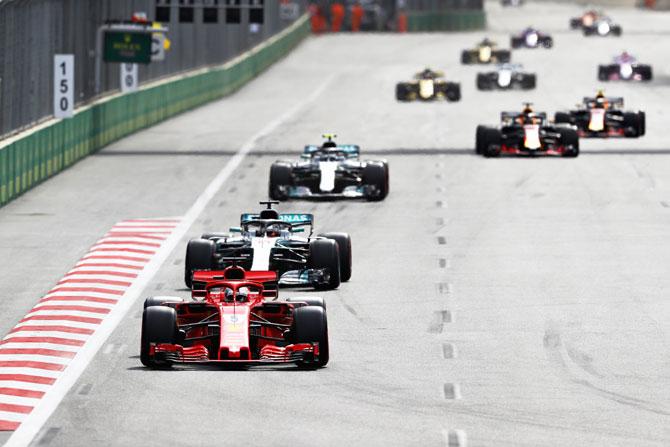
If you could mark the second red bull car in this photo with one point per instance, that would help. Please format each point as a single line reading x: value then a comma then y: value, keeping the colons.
x: 603, y: 117
x: 526, y: 133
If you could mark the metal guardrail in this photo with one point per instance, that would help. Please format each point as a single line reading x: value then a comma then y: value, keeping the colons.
x: 202, y: 33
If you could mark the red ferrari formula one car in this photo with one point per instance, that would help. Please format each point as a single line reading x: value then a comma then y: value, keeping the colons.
x: 526, y: 133
x: 229, y: 322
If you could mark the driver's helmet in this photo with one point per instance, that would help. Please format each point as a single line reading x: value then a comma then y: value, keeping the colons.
x: 601, y: 101
x: 427, y: 73
x: 228, y: 295
x: 486, y: 42
x: 273, y: 231
x: 242, y: 295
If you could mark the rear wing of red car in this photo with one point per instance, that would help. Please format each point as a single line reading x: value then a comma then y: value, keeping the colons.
x: 201, y: 278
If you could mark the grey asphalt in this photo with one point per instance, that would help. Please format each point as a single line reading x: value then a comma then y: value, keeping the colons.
x: 522, y: 302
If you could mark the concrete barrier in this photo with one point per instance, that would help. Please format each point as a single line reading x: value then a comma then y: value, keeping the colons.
x: 35, y: 155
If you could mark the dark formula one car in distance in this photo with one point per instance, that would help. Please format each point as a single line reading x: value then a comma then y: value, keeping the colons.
x: 329, y: 171
x: 624, y: 67
x: 229, y: 322
x: 272, y: 241
x: 486, y: 52
x: 526, y: 133
x: 532, y: 38
x: 428, y: 85
x: 603, y: 117
x: 506, y: 77
x: 602, y: 26
x: 585, y: 20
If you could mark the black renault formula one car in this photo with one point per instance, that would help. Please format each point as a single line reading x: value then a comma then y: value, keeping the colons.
x: 625, y: 67
x: 270, y: 241
x: 486, y: 52
x: 329, y: 171
x: 526, y: 133
x: 428, y: 85
x: 506, y: 77
x: 603, y: 117
x: 532, y: 38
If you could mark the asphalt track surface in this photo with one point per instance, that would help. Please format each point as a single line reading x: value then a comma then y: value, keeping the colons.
x: 504, y: 302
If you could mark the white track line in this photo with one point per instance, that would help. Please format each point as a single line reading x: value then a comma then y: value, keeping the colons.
x: 37, y: 418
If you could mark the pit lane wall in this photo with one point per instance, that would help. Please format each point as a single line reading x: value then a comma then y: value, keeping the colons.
x: 34, y: 156
x: 455, y: 20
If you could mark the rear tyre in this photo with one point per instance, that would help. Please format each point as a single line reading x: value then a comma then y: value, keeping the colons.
x: 575, y: 23
x: 492, y: 142
x: 344, y: 247
x: 570, y: 141
x: 548, y: 42
x: 465, y: 57
x: 324, y: 254
x: 504, y: 56
x: 310, y: 325
x: 483, y: 82
x: 631, y: 125
x: 603, y: 73
x: 199, y: 256
x: 453, y: 92
x: 643, y: 123
x: 516, y: 42
x: 645, y: 72
x: 159, y: 325
x: 529, y: 82
x: 562, y: 118
x: 376, y: 174
x: 617, y: 31
x: 280, y: 176
x: 401, y: 92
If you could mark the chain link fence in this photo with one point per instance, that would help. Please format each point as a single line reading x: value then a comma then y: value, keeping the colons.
x: 202, y: 33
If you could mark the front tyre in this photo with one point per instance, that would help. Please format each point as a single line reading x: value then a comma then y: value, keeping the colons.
x: 159, y: 325
x: 310, y: 325
x: 570, y: 142
x: 376, y: 176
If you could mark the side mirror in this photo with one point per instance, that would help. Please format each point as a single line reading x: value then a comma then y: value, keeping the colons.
x: 235, y: 229
x: 297, y: 230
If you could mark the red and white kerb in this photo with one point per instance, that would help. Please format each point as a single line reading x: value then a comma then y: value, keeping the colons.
x: 37, y: 351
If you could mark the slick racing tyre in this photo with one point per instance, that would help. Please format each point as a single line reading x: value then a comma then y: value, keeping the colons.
x: 452, y: 92
x: 645, y: 72
x: 280, y: 176
x: 616, y: 30
x: 548, y: 42
x: 483, y: 82
x: 632, y: 125
x: 480, y: 143
x: 643, y: 123
x: 401, y: 92
x: 575, y: 23
x: 517, y: 42
x: 466, y: 57
x: 528, y: 82
x: 570, y: 141
x: 376, y: 175
x: 491, y: 142
x: 344, y: 246
x: 159, y: 325
x: 324, y: 254
x: 502, y: 56
x: 562, y: 118
x: 310, y: 325
x: 603, y: 73
x: 199, y: 256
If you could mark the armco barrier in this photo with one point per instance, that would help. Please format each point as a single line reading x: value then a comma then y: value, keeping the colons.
x: 446, y: 20
x: 48, y: 149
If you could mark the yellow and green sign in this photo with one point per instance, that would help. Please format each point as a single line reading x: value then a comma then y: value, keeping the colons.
x: 122, y: 46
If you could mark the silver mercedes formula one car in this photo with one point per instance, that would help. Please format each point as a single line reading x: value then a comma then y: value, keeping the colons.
x: 329, y: 171
x: 506, y: 77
